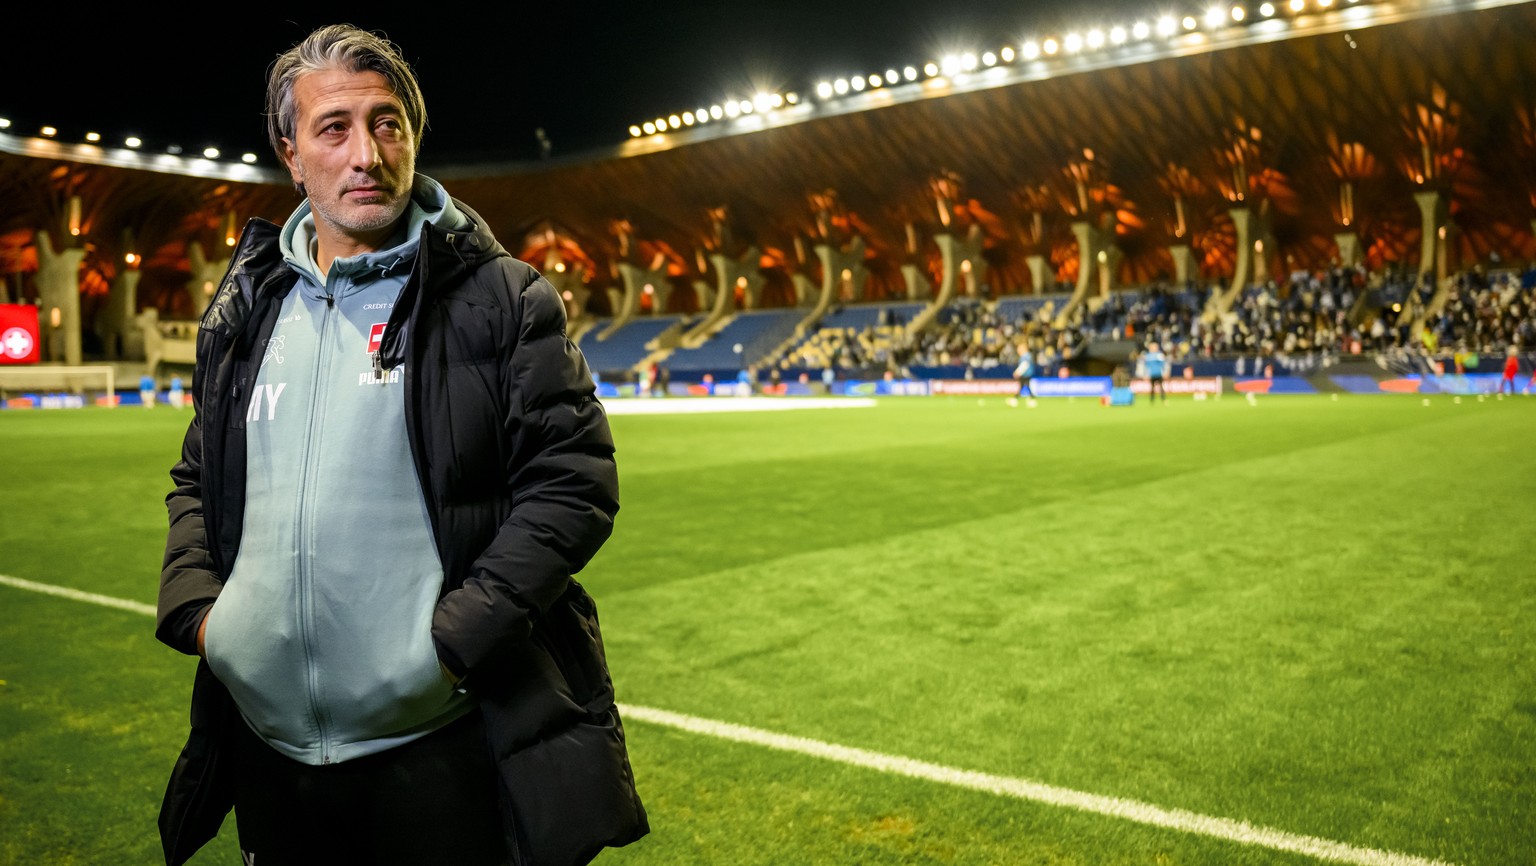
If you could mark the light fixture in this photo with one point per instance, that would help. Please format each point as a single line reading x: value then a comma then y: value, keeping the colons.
x: 1214, y: 17
x: 1007, y: 53
x: 93, y: 137
x: 909, y: 74
x: 824, y: 90
x: 210, y: 153
x: 48, y: 131
x: 1049, y: 46
x: 716, y: 112
x: 892, y: 76
x: 1117, y: 35
x: 1095, y: 38
x: 1166, y: 26
x: 132, y: 141
x: 840, y: 86
x: 931, y: 69
x: 650, y: 128
x: 1267, y: 10
x: 857, y: 83
x: 1141, y: 30
x: 989, y: 59
x: 1029, y: 50
x: 1073, y: 43
x: 250, y: 158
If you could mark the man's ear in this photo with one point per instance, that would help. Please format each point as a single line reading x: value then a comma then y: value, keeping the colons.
x: 291, y: 160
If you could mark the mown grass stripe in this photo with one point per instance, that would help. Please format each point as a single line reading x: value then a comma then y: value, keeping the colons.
x: 1023, y: 789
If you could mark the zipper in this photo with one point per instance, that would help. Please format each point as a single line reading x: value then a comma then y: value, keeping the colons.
x: 304, y: 594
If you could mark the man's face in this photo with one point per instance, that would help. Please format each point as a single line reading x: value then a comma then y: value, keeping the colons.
x: 355, y: 154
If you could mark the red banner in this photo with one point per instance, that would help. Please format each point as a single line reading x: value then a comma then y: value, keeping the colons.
x: 20, y: 342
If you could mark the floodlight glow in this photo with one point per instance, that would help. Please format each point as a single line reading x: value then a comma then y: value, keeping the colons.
x: 173, y: 149
x: 132, y: 141
x: 1141, y: 30
x: 1117, y: 35
x: 1298, y: 5
x: 968, y: 61
x: 1214, y: 17
x: 989, y: 59
x: 930, y: 69
x: 702, y: 115
x: 1190, y: 23
x: 892, y: 76
x: 950, y: 64
x: 5, y: 123
x: 777, y: 100
x: 857, y: 83
x: 841, y: 86
x: 746, y: 106
x: 688, y: 118
x: 661, y: 124
x: 824, y: 90
x: 716, y: 112
x: 674, y: 121
x: 634, y: 131
x: 1166, y: 26
x: 1073, y: 43
x: 792, y: 98
x: 211, y: 152
x: 875, y: 81
x: 732, y: 110
x: 1007, y: 54
x: 650, y: 128
x: 762, y: 102
x: 49, y: 131
x: 1095, y: 39
x: 909, y: 73
x: 248, y: 158
x: 1049, y: 46
x: 1238, y: 14
x: 1325, y: 3
x: 93, y: 136
x: 1267, y: 10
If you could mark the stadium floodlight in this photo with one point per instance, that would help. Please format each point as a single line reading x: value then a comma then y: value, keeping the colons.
x: 841, y: 86
x: 968, y: 61
x: 792, y: 98
x: 5, y: 123
x: 732, y: 110
x: 1073, y: 43
x: 1141, y: 30
x: 988, y: 59
x: 1239, y: 13
x: 1267, y: 10
x: 93, y: 137
x: 1298, y: 5
x: 931, y: 69
x: 1325, y: 3
x: 716, y: 112
x: 674, y: 121
x: 824, y: 90
x: 661, y: 124
x: 892, y: 76
x: 688, y: 119
x: 701, y: 114
x: 857, y: 82
x: 1006, y: 54
x: 746, y: 106
x: 133, y: 141
x: 650, y: 128
x: 1215, y: 17
x: 173, y: 149
x: 248, y: 158
x: 1117, y: 35
x: 1095, y: 38
x: 762, y: 102
x: 1190, y: 23
x: 48, y: 132
x: 875, y: 80
x: 1166, y: 26
x: 1049, y: 46
x: 950, y: 64
x: 211, y: 153
x: 909, y: 73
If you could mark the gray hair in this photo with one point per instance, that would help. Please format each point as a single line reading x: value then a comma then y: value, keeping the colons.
x: 348, y: 48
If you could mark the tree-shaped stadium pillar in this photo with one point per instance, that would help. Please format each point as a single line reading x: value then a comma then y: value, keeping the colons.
x: 1093, y: 246
x: 1184, y: 267
x: 731, y: 273
x: 1254, y: 245
x: 625, y: 302
x: 1350, y: 249
x: 206, y: 274
x: 960, y: 262
x: 1433, y: 213
x: 58, y: 284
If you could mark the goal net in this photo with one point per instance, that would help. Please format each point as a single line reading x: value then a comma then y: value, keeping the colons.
x: 60, y: 385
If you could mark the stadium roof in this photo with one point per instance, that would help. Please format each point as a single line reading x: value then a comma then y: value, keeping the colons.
x: 1388, y: 98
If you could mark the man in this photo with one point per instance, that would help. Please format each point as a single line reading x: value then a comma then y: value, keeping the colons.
x: 1156, y: 365
x: 395, y: 464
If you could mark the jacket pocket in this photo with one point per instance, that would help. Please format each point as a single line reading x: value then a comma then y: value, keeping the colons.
x: 573, y: 794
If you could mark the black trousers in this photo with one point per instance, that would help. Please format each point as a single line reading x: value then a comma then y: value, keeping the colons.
x: 431, y: 801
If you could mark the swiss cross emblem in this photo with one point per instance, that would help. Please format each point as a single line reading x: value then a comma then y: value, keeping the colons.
x: 16, y: 343
x: 376, y: 337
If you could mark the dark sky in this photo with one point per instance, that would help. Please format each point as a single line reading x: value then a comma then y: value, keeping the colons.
x: 492, y: 73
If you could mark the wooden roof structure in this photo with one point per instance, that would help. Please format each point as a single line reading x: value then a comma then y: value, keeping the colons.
x: 1311, y: 128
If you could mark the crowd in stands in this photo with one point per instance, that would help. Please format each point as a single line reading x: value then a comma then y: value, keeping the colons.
x: 1306, y: 321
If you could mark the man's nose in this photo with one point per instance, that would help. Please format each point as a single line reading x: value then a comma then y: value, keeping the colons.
x: 365, y: 152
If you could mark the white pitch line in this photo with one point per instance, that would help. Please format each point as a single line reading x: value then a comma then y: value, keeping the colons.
x: 1024, y: 789
x: 77, y: 595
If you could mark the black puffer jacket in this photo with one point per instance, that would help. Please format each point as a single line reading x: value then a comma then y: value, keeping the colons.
x: 516, y: 463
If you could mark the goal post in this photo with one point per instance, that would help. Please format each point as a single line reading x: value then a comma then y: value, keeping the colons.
x: 59, y: 379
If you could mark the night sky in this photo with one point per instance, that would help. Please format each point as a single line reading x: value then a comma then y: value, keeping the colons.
x: 492, y: 76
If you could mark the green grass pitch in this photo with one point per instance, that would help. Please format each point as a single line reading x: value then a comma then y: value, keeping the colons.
x: 1314, y: 615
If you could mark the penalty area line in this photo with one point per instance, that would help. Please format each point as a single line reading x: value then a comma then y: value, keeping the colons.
x: 1240, y: 832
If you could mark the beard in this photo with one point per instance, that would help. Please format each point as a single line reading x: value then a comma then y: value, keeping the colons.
x: 362, y: 219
